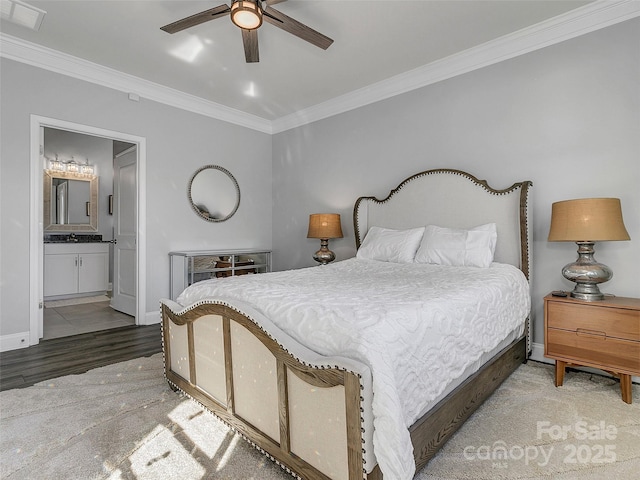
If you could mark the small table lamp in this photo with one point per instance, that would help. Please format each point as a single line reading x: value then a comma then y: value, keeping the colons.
x: 586, y: 221
x: 324, y: 226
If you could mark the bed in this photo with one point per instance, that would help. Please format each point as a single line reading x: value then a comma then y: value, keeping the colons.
x: 327, y: 371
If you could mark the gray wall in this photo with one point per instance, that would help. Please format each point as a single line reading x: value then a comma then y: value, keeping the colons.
x: 178, y: 142
x: 566, y: 117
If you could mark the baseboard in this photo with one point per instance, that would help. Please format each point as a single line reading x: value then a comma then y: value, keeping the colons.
x: 14, y: 341
x: 150, y: 318
x: 537, y: 354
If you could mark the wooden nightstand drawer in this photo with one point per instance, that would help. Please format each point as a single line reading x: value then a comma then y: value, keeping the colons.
x: 593, y: 348
x: 614, y: 322
x: 603, y: 334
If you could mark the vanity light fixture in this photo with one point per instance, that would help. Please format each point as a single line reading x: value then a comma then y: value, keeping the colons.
x: 72, y: 166
x: 57, y: 165
x: 87, y: 169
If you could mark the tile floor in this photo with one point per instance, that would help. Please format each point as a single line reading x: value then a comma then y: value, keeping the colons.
x: 88, y: 317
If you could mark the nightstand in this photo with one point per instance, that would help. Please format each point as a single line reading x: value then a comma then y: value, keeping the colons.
x: 604, y: 334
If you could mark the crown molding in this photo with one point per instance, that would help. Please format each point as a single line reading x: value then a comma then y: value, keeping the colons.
x: 591, y: 17
x: 586, y: 19
x: 38, y: 56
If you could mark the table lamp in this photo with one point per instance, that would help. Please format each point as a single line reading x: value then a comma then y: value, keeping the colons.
x: 324, y: 226
x: 586, y: 221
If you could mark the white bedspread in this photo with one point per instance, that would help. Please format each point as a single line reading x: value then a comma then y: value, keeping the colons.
x: 416, y: 326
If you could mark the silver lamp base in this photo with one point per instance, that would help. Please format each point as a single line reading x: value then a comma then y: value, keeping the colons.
x: 587, y: 273
x: 324, y: 255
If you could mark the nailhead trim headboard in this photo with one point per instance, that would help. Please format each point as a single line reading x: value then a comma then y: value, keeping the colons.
x: 454, y: 199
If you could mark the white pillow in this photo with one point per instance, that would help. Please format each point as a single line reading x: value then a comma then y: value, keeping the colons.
x: 457, y: 246
x: 386, y: 245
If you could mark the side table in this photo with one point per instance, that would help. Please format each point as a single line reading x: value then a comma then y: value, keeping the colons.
x: 602, y: 334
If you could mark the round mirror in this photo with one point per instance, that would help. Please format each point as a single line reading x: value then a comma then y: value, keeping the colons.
x: 214, y: 193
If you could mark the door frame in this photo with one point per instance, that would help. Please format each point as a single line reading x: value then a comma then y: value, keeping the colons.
x: 36, y: 227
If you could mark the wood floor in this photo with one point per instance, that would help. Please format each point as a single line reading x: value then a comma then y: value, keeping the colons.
x: 76, y: 354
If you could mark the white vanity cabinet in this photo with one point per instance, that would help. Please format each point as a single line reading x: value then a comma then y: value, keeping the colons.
x: 75, y: 268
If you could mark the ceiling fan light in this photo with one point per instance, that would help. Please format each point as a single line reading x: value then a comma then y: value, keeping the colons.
x: 246, y: 14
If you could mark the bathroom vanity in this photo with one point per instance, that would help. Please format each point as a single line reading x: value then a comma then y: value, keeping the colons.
x: 72, y: 269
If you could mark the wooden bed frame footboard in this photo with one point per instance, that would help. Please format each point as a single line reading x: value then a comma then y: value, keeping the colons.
x: 288, y: 409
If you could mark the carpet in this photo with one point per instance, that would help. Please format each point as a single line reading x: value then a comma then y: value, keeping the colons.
x: 123, y: 422
x: 75, y: 301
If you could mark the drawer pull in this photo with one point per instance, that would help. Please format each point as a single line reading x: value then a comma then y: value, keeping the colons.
x: 593, y: 333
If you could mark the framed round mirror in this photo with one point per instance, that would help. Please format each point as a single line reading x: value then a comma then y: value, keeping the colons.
x: 214, y: 193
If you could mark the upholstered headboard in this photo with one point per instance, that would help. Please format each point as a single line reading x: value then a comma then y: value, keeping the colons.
x: 454, y: 199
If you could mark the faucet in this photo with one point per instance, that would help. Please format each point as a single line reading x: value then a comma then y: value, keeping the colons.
x: 72, y: 237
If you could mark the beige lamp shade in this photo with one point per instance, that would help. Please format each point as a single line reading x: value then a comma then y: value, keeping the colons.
x: 324, y: 225
x: 587, y: 219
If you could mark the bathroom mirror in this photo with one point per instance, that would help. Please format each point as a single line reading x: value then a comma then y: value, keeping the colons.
x: 70, y: 202
x: 214, y: 193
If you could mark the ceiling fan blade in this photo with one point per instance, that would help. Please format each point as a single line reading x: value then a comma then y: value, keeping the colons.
x: 288, y: 24
x: 250, y: 41
x: 197, y: 19
x: 273, y: 2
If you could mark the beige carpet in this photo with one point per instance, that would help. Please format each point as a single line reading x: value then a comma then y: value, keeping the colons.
x: 122, y: 422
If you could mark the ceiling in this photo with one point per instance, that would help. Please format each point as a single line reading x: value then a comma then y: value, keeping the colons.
x: 373, y: 42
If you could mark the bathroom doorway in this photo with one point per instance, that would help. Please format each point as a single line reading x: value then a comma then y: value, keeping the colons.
x: 80, y: 310
x: 70, y: 314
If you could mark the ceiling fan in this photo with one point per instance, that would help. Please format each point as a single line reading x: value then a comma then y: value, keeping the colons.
x: 248, y: 16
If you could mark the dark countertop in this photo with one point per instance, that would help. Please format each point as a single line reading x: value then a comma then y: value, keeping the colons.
x: 74, y: 238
